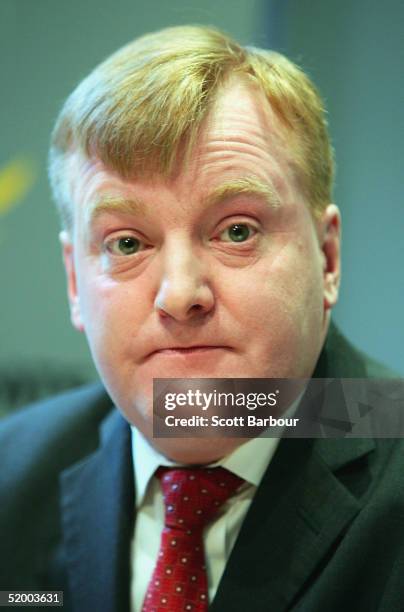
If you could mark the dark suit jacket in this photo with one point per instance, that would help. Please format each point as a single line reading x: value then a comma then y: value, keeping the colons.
x: 324, y: 533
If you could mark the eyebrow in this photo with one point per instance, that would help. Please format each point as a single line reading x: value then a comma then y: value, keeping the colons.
x: 114, y: 204
x: 249, y: 186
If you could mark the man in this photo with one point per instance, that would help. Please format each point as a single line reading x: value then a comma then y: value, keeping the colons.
x: 193, y: 178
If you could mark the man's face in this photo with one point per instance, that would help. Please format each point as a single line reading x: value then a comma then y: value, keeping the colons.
x: 219, y: 272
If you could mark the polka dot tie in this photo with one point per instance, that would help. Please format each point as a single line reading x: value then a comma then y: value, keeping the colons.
x: 192, y: 497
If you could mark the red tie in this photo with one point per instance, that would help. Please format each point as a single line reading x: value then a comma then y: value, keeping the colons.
x: 192, y: 497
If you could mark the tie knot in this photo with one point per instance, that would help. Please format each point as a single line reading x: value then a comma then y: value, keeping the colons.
x: 193, y: 496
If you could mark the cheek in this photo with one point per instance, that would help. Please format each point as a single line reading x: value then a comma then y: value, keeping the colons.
x: 279, y: 304
x: 112, y: 315
x: 285, y: 284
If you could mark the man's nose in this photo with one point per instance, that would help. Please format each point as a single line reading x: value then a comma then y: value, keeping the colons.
x: 184, y: 291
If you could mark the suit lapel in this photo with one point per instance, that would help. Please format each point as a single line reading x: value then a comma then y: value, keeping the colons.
x: 299, y: 511
x: 97, y: 501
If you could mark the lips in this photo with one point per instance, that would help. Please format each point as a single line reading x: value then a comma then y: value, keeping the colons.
x: 187, y: 350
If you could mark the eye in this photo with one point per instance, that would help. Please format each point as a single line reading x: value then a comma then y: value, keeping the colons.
x: 237, y: 232
x: 125, y: 245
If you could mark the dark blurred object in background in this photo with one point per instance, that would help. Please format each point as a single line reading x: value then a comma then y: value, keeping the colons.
x: 27, y: 382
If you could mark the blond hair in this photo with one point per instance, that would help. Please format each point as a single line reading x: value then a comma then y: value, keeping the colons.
x: 136, y: 109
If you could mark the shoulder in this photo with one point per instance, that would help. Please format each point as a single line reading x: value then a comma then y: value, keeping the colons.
x: 63, y: 428
x: 341, y: 359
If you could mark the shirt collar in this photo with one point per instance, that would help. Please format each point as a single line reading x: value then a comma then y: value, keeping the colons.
x: 249, y: 461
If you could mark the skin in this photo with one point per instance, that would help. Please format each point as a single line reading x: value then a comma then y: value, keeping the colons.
x: 260, y: 306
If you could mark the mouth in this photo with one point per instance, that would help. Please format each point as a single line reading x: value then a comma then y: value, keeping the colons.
x: 189, y: 350
x: 197, y: 350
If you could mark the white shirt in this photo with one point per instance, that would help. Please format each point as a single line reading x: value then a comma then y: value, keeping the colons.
x: 249, y: 461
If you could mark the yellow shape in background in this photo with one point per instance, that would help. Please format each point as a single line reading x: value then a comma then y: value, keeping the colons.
x: 16, y: 179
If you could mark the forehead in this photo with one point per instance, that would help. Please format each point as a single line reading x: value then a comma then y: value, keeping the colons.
x: 242, y: 111
x: 240, y: 139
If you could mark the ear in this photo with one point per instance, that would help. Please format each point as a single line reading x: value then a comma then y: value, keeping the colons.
x: 330, y: 243
x: 68, y: 259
